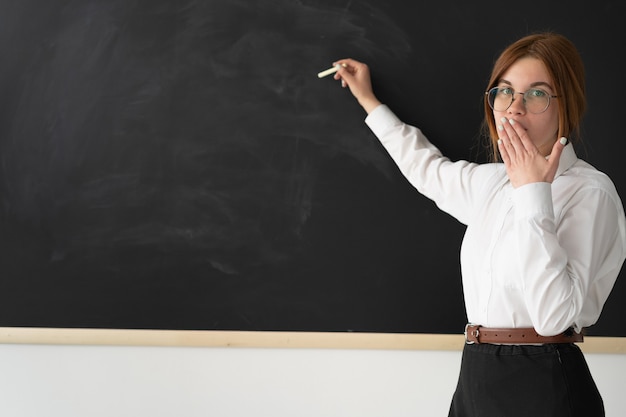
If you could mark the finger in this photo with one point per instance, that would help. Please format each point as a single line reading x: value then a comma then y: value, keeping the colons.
x: 557, y: 150
x: 523, y: 137
x: 512, y: 134
x: 344, y: 66
x: 353, y: 74
x: 337, y: 75
x: 504, y: 140
x: 349, y: 63
x: 344, y: 76
x: 554, y: 158
x: 352, y: 67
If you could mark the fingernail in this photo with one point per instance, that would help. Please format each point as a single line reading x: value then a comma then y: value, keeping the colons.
x: 504, y: 120
x: 512, y: 121
x: 499, y: 141
x: 500, y: 127
x: 563, y: 141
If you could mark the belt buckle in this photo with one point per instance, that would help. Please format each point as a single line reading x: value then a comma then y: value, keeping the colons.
x: 475, y: 333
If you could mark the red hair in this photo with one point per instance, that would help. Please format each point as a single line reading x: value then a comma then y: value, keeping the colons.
x: 565, y: 67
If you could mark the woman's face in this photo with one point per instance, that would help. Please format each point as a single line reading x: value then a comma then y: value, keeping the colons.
x: 524, y: 75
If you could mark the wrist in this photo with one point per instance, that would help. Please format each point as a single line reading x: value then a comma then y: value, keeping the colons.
x: 369, y: 104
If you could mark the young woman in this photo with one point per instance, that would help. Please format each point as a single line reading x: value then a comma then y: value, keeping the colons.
x: 545, y: 238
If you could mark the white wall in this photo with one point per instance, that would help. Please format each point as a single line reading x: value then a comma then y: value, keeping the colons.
x: 99, y: 381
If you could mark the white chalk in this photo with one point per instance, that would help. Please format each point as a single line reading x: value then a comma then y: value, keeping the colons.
x: 330, y: 70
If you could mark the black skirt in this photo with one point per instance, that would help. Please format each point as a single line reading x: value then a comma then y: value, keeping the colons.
x: 551, y: 380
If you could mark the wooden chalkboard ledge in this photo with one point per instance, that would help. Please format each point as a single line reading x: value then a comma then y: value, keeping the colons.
x: 247, y: 339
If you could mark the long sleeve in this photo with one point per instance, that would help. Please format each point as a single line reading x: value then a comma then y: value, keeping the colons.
x: 450, y: 185
x: 570, y: 251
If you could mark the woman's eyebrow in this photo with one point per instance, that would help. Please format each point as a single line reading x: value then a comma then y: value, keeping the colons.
x: 535, y: 84
x: 541, y: 84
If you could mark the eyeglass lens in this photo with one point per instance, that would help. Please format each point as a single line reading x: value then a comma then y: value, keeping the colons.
x: 535, y: 100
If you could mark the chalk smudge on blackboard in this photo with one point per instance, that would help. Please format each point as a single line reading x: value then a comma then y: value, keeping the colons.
x: 170, y: 127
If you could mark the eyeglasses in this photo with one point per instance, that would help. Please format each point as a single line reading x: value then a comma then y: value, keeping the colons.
x: 535, y: 100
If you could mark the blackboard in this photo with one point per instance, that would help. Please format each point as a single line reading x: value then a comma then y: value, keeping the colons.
x: 179, y: 165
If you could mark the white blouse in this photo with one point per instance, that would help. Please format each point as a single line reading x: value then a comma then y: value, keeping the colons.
x: 541, y: 255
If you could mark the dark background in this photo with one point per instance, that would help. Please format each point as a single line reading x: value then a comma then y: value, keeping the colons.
x: 179, y: 165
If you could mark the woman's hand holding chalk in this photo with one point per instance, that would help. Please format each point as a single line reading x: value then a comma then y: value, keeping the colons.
x: 330, y: 70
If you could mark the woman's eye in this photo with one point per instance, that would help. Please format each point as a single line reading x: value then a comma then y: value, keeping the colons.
x: 536, y: 93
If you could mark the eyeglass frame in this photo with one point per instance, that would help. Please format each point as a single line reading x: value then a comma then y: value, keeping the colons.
x: 550, y: 96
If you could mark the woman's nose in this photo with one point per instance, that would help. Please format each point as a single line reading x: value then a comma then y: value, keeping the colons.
x: 517, y: 106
